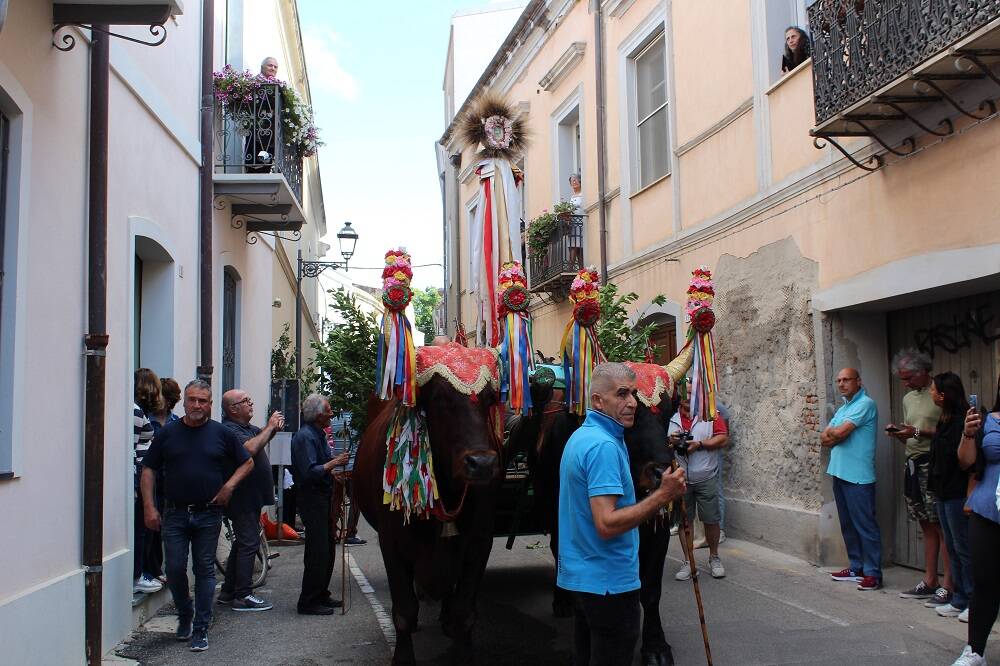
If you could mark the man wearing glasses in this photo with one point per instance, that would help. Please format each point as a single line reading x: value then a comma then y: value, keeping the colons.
x: 851, y: 436
x: 256, y: 492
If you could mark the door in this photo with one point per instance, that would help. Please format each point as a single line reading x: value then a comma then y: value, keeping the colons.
x: 962, y: 336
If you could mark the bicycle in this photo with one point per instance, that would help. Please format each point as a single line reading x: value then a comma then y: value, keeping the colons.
x: 262, y: 559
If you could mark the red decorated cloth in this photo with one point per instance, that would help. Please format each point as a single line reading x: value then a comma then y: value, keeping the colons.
x: 652, y: 382
x: 468, y: 369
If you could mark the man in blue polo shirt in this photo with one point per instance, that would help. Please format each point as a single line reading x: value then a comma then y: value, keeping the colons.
x: 851, y: 435
x: 598, y: 520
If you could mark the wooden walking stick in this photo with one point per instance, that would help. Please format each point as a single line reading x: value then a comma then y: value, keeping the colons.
x: 687, y: 543
x: 343, y: 545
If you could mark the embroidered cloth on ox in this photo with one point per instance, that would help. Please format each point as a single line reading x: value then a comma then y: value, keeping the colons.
x: 467, y: 369
x: 653, y: 383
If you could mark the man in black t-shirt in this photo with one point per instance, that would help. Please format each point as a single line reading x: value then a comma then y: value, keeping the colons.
x: 198, y: 457
x: 256, y: 492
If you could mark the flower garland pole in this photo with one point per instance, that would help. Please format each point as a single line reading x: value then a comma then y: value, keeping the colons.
x: 580, y: 350
x: 408, y: 479
x: 516, y: 352
x: 496, y: 232
x: 704, y: 377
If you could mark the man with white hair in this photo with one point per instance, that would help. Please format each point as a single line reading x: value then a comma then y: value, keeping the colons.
x: 599, y: 519
x: 269, y: 67
x: 312, y: 469
x: 247, y: 501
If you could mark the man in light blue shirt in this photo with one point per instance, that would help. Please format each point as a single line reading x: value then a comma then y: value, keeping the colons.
x: 851, y: 435
x: 598, y: 520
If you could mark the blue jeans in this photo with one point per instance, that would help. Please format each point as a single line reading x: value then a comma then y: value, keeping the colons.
x: 955, y: 526
x: 199, y: 531
x: 856, y: 508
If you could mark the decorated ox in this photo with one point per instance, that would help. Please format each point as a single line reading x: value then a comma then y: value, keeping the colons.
x: 444, y: 551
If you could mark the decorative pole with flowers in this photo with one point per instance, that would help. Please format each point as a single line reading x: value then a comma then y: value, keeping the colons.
x: 580, y: 350
x: 516, y: 352
x: 408, y: 483
x: 704, y: 377
x: 491, y: 122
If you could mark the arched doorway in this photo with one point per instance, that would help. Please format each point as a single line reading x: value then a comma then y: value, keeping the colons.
x: 230, y: 326
x: 153, y: 307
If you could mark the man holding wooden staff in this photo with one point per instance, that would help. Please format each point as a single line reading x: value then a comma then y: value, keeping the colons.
x: 599, y: 519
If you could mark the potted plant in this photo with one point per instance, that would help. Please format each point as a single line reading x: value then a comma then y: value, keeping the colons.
x: 540, y: 229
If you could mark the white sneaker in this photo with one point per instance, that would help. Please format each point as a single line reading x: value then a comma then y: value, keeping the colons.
x: 947, y: 610
x: 969, y: 658
x: 684, y: 573
x: 146, y: 585
x: 964, y: 616
x: 715, y: 564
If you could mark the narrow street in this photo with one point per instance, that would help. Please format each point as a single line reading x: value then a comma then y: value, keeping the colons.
x: 770, y: 609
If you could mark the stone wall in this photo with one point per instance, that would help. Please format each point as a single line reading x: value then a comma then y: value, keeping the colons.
x: 767, y: 373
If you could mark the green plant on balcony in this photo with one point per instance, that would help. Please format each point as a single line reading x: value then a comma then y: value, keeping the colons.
x: 235, y: 90
x: 541, y: 228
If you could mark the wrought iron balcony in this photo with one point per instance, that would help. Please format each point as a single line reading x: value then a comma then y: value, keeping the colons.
x: 892, y: 69
x: 861, y: 46
x: 257, y: 169
x: 553, y: 270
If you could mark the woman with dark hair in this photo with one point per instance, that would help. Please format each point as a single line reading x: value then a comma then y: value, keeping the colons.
x: 981, y: 447
x: 153, y: 557
x: 947, y: 481
x: 147, y: 400
x: 796, y: 48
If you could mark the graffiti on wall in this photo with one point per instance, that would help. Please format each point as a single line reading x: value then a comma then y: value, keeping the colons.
x: 960, y: 332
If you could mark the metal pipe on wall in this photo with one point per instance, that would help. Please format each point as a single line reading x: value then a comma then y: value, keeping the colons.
x: 456, y: 164
x: 602, y: 158
x: 205, y: 187
x: 96, y: 343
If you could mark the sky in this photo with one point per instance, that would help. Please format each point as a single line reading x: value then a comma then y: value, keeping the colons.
x: 376, y: 73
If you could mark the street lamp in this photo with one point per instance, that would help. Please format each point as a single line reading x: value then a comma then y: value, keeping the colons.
x: 347, y: 238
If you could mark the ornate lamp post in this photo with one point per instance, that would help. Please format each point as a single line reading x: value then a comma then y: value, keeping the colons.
x: 347, y: 238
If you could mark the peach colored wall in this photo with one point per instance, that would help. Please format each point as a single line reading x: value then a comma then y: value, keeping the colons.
x: 719, y: 172
x: 791, y: 119
x: 653, y: 214
x: 713, y: 69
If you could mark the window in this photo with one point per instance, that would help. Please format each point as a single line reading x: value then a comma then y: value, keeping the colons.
x: 568, y: 146
x: 652, y: 138
x: 779, y: 15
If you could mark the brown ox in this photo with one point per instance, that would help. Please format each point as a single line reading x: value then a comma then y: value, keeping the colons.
x: 444, y: 556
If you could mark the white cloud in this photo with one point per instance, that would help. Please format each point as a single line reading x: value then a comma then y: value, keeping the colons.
x: 325, y: 70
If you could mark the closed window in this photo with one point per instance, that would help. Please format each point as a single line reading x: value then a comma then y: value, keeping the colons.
x: 652, y: 139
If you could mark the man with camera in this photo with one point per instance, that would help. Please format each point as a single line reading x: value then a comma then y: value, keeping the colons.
x: 598, y: 521
x: 699, y: 445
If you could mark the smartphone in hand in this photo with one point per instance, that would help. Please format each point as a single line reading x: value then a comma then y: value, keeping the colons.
x: 974, y: 401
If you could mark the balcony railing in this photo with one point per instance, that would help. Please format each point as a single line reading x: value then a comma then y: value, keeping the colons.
x: 555, y: 269
x: 250, y: 138
x: 862, y: 46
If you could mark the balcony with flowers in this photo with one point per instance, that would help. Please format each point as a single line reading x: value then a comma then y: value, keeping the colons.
x: 263, y: 132
x: 554, y: 243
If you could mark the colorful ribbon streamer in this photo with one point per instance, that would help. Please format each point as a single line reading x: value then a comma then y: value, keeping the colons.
x: 516, y: 361
x: 580, y: 354
x: 396, y: 364
x: 704, y: 377
x: 408, y: 483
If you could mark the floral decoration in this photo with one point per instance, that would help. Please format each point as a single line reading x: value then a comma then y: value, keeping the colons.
x: 701, y: 293
x: 583, y: 291
x: 396, y: 276
x: 234, y: 88
x: 703, y: 319
x: 513, y: 286
x: 498, y: 132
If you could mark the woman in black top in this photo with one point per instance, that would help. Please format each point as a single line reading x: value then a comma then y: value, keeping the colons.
x: 948, y: 482
x: 796, y: 49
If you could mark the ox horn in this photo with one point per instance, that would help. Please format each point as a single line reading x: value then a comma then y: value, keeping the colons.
x: 678, y: 367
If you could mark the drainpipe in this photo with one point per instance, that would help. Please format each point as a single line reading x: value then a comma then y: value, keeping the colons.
x: 96, y: 343
x: 456, y: 164
x: 602, y: 149
x: 205, y: 183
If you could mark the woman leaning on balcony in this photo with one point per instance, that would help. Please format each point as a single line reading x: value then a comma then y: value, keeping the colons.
x: 796, y: 48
